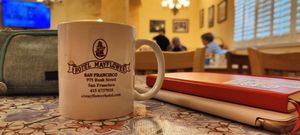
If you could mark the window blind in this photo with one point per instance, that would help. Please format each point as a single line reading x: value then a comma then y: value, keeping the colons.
x: 281, y: 17
x: 263, y: 24
x: 249, y: 20
x: 239, y: 20
x: 244, y: 27
x: 298, y: 16
x: 266, y: 22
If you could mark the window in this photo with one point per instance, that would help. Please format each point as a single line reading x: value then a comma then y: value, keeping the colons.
x: 266, y: 22
x: 298, y: 16
x: 263, y: 26
x: 282, y: 17
x: 244, y: 20
x: 239, y: 20
x: 249, y: 20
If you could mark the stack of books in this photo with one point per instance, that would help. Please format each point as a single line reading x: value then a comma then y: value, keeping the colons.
x: 270, y: 103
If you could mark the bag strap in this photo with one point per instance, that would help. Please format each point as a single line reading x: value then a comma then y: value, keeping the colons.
x: 9, y: 38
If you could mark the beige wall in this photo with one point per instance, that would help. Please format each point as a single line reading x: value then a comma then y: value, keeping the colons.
x: 115, y: 11
x: 139, y: 13
x: 222, y: 30
x: 142, y: 11
x: 147, y: 10
x: 70, y: 10
x: 108, y: 10
x: 133, y: 17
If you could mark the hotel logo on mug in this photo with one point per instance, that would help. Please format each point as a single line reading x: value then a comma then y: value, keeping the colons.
x: 100, y: 51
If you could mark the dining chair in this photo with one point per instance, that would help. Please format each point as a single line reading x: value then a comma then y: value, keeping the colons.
x: 174, y: 61
x: 271, y: 64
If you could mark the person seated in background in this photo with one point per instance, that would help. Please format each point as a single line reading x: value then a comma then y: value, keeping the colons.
x: 162, y: 40
x: 212, y: 48
x: 176, y: 45
x: 210, y: 45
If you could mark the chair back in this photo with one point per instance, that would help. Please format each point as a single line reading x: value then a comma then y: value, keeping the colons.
x: 237, y: 63
x: 145, y: 60
x: 284, y: 64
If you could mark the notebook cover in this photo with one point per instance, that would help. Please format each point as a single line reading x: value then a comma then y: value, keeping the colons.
x: 266, y: 119
x: 261, y: 92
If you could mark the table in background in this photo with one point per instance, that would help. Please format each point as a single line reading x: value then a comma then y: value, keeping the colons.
x: 234, y: 64
x: 238, y: 63
x: 216, y: 68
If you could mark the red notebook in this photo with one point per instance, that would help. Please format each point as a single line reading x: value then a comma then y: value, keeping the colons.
x: 261, y: 92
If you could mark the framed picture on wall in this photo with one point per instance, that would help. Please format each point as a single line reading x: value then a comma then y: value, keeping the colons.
x: 211, y: 16
x: 222, y: 11
x: 157, y: 25
x: 180, y: 25
x: 201, y: 18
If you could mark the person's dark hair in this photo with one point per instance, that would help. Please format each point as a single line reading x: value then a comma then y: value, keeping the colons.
x: 208, y: 37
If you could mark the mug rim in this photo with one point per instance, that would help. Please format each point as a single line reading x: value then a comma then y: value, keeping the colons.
x: 93, y: 21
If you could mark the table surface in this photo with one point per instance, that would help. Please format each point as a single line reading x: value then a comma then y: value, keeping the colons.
x: 39, y: 115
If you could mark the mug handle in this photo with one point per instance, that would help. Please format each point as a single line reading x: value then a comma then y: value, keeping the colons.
x: 161, y: 70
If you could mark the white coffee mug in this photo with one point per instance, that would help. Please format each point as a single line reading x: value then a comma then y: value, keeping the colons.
x: 96, y: 69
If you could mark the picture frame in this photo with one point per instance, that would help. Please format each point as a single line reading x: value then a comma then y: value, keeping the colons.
x: 157, y: 25
x: 180, y: 25
x: 201, y: 18
x: 222, y: 11
x: 211, y: 16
